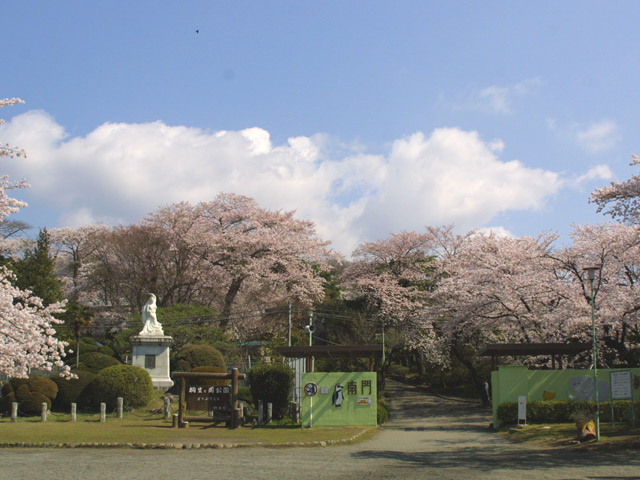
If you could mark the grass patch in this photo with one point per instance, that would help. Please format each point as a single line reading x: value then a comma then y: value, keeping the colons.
x: 563, y: 435
x: 154, y: 429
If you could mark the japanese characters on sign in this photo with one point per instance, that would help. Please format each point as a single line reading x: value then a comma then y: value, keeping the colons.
x: 362, y: 391
x: 210, y: 398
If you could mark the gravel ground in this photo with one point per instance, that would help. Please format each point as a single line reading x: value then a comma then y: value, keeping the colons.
x: 428, y: 437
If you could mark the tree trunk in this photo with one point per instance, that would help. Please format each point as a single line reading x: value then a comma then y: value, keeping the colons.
x: 229, y: 298
x: 484, y: 397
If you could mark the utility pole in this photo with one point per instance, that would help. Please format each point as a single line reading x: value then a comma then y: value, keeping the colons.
x: 289, y: 323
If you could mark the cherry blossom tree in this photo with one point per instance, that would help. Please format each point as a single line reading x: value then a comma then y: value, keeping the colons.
x: 74, y: 249
x: 26, y: 325
x: 229, y: 253
x: 507, y: 286
x: 393, y: 276
x: 620, y: 199
x: 243, y: 247
x: 615, y: 248
x: 129, y: 262
x: 392, y: 280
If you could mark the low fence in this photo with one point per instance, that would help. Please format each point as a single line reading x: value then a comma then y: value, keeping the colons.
x: 119, y: 411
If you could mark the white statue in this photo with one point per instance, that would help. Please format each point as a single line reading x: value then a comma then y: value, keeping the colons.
x: 150, y: 324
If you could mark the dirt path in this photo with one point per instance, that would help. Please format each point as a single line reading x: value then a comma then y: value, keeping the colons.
x: 428, y: 437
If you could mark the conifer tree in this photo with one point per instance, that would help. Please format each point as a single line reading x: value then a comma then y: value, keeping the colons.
x: 36, y: 271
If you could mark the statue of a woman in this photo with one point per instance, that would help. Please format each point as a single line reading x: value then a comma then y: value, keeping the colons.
x: 150, y: 324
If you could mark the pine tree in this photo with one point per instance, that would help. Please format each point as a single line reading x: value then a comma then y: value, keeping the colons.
x: 36, y: 271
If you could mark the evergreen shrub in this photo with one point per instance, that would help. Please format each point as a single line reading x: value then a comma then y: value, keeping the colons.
x: 192, y: 356
x: 71, y: 391
x: 131, y: 383
x: 209, y: 382
x: 30, y: 393
x: 563, y: 411
x: 272, y: 383
x: 108, y: 351
x: 244, y: 395
x: 95, y: 362
x: 382, y: 412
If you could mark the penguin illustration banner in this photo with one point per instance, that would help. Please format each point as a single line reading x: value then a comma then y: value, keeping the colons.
x: 338, y: 396
x: 343, y: 398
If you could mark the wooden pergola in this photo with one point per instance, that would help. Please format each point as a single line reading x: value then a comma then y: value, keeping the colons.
x: 495, y: 350
x: 372, y: 352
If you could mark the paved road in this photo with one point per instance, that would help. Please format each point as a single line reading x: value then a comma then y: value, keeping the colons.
x: 428, y: 438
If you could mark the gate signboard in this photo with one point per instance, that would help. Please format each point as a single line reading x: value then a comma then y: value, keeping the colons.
x: 222, y: 400
x: 522, y: 409
x: 622, y: 389
x: 216, y: 399
x: 621, y: 385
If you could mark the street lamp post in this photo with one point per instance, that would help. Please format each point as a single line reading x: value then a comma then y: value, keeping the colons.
x: 591, y: 275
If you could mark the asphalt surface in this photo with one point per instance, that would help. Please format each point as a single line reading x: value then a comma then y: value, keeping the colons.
x: 428, y: 438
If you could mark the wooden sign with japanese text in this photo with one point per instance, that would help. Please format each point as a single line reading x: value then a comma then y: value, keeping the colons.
x: 215, y: 399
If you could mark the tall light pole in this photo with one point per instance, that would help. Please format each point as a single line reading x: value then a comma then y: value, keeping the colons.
x: 591, y: 275
x: 310, y: 328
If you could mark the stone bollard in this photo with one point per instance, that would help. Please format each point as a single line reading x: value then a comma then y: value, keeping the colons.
x: 167, y: 408
x: 14, y: 411
x: 269, y: 413
x: 120, y: 401
x: 103, y: 412
x: 260, y: 412
x: 295, y: 412
x: 175, y: 420
x: 43, y: 412
x: 241, y: 414
x: 74, y: 409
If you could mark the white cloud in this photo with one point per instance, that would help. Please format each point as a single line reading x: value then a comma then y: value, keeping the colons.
x: 598, y: 136
x: 594, y: 138
x: 497, y: 231
x: 498, y: 99
x: 119, y: 172
x: 452, y: 176
x: 599, y: 172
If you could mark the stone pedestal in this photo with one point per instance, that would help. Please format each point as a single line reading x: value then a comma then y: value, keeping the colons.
x: 151, y: 352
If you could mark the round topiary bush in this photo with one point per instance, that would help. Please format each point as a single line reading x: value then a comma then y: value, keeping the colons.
x: 209, y: 382
x: 30, y: 393
x: 45, y: 386
x: 8, y: 397
x: 131, y: 383
x: 272, y: 383
x: 70, y: 391
x: 95, y: 361
x: 108, y: 351
x: 192, y: 356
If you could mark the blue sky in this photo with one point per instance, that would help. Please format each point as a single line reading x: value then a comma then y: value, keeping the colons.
x: 365, y: 117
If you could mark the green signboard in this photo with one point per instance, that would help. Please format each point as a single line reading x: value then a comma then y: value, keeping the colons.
x: 338, y: 399
x: 510, y: 382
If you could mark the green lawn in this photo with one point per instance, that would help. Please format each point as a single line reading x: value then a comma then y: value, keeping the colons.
x: 154, y: 429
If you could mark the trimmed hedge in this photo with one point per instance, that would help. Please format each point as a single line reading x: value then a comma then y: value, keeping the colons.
x: 562, y: 411
x: 30, y: 393
x: 272, y: 383
x: 131, y: 383
x: 209, y: 382
x: 192, y: 356
x: 71, y: 391
x: 95, y: 361
x: 244, y: 394
x: 382, y: 412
